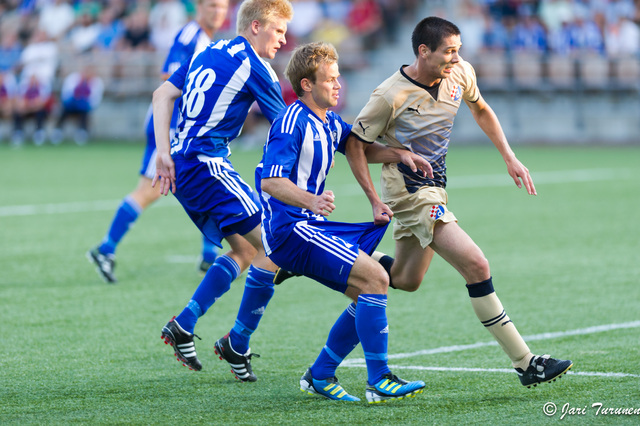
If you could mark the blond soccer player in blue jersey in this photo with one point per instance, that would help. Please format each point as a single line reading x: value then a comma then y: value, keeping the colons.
x: 414, y: 109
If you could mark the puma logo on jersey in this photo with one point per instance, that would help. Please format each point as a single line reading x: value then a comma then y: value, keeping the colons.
x: 416, y: 110
x: 506, y: 322
x: 364, y: 129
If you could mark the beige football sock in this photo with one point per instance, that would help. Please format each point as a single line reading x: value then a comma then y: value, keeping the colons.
x: 490, y: 312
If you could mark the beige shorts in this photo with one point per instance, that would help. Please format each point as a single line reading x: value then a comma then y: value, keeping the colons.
x: 417, y: 213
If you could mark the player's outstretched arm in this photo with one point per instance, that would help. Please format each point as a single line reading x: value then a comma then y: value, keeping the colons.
x: 490, y: 125
x: 289, y: 193
x: 356, y: 156
x: 163, y: 101
x: 379, y: 153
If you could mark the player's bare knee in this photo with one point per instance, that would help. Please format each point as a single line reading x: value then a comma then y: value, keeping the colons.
x: 378, y: 279
x: 374, y: 287
x: 406, y: 281
x: 478, y: 269
x: 371, y: 280
x: 409, y: 286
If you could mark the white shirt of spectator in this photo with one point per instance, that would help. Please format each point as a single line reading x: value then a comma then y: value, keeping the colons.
x: 56, y: 18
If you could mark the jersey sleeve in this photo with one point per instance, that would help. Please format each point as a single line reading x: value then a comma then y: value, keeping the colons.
x: 281, y: 151
x: 271, y: 101
x: 373, y: 119
x: 471, y: 92
x: 266, y: 89
x: 178, y: 53
x: 179, y: 77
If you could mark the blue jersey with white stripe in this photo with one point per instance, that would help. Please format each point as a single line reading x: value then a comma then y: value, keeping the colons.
x: 190, y: 40
x: 300, y: 147
x: 218, y: 89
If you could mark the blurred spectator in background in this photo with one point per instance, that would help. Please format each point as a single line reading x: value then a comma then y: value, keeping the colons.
x: 391, y: 19
x: 87, y: 7
x: 554, y: 12
x: 120, y: 8
x: 495, y: 37
x: 80, y: 95
x: 336, y: 10
x: 529, y: 35
x: 10, y: 49
x: 38, y: 64
x: 137, y: 35
x: 472, y: 25
x: 560, y: 39
x: 33, y: 102
x: 365, y: 21
x: 613, y: 10
x: 166, y: 18
x: 586, y: 36
x: 110, y: 30
x: 56, y: 18
x: 39, y: 57
x: 84, y: 33
x: 622, y: 38
x: 308, y: 14
x: 333, y: 29
x: 8, y: 91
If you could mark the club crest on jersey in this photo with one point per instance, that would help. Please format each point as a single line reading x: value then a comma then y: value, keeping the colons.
x: 436, y: 212
x: 456, y: 92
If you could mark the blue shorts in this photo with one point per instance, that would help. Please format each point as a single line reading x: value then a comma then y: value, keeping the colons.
x: 215, y: 197
x: 326, y: 251
x: 148, y: 165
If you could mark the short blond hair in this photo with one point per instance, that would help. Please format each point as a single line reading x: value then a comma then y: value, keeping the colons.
x: 305, y: 61
x: 263, y: 11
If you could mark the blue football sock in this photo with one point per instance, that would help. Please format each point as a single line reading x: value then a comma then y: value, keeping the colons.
x: 373, y: 330
x: 343, y: 338
x: 215, y: 283
x: 258, y: 290
x: 209, y: 250
x: 125, y: 216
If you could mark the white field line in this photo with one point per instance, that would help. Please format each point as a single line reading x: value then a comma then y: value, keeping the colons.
x: 73, y: 207
x: 489, y: 370
x: 461, y: 182
x: 360, y: 362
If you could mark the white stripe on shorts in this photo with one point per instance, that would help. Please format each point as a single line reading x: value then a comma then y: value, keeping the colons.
x: 150, y: 171
x: 219, y: 171
x: 311, y: 234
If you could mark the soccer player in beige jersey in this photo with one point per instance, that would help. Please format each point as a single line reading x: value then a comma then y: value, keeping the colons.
x: 414, y: 109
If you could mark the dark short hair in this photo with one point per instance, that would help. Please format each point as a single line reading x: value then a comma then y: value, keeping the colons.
x: 431, y: 31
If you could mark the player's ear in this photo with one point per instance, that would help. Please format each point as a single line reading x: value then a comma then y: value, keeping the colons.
x: 305, y: 83
x: 423, y: 50
x: 255, y: 26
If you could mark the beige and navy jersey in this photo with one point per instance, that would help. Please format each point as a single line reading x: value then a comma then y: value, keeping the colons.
x: 402, y: 113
